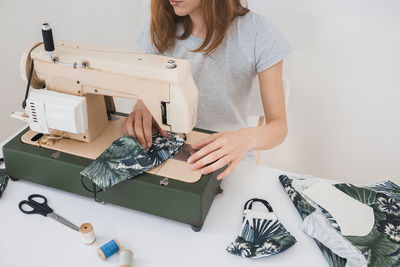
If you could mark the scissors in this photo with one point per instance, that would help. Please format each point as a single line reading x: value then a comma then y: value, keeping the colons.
x: 38, y: 203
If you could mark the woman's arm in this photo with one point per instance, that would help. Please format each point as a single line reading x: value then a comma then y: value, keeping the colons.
x: 274, y: 132
x: 230, y: 147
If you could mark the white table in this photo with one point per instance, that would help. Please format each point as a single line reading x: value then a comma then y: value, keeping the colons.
x: 34, y: 240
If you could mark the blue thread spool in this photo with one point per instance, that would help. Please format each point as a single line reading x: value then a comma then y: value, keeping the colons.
x: 108, y: 249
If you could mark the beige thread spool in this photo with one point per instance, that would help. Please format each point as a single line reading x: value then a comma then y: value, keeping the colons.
x: 87, y: 233
x: 125, y: 258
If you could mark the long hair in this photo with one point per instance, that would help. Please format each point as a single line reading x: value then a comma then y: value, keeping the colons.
x: 217, y: 15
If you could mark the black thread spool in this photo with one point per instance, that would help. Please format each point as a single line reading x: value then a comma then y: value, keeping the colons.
x: 48, y: 39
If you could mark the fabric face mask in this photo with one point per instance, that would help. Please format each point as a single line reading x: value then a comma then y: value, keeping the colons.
x: 126, y: 158
x: 261, y: 233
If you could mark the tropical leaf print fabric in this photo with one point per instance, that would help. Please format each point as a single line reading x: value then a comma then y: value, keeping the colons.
x: 126, y: 158
x: 381, y: 247
x: 261, y: 234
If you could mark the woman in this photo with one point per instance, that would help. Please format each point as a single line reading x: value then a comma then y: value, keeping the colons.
x: 227, y: 45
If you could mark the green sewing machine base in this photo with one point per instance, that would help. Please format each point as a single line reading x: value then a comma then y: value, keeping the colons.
x: 184, y: 202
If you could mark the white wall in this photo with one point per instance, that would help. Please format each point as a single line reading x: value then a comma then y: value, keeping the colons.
x: 344, y: 72
x: 343, y: 111
x: 104, y: 23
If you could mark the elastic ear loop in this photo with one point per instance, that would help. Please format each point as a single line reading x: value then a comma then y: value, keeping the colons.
x: 249, y: 204
x: 94, y: 191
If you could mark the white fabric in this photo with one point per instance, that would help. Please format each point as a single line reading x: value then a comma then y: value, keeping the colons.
x: 318, y: 227
x: 347, y: 211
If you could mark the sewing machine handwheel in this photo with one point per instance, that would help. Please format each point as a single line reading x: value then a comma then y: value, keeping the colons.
x: 196, y: 228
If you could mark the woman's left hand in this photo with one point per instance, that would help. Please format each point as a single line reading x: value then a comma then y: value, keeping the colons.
x: 220, y: 149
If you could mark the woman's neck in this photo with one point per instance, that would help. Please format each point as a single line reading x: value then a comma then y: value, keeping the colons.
x: 199, y: 28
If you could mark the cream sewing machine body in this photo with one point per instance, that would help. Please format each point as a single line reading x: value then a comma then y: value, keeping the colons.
x: 72, y: 120
x: 72, y: 100
x: 83, y: 70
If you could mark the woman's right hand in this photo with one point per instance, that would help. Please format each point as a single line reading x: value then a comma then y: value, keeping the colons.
x: 139, y: 124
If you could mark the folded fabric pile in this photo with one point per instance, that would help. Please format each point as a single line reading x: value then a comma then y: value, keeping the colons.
x: 380, y: 247
x: 261, y: 233
x: 126, y: 158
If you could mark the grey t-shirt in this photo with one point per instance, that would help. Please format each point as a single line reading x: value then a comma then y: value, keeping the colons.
x: 224, y: 78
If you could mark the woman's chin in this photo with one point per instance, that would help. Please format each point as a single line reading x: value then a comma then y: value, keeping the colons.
x: 180, y: 12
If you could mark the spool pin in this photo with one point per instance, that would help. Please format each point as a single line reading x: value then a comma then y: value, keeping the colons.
x: 87, y: 233
x: 108, y: 249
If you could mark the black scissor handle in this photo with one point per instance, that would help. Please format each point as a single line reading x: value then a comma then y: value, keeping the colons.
x: 38, y: 199
x: 26, y: 202
x: 38, y: 203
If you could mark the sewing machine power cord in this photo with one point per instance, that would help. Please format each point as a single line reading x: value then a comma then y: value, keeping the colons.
x: 28, y: 85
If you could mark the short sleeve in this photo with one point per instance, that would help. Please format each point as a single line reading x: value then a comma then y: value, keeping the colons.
x: 270, y: 46
x: 144, y: 40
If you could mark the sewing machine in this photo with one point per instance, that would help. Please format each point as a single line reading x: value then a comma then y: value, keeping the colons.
x: 72, y: 120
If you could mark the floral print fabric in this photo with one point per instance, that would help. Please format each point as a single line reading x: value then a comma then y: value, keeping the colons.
x: 381, y: 247
x: 126, y: 158
x: 261, y: 234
